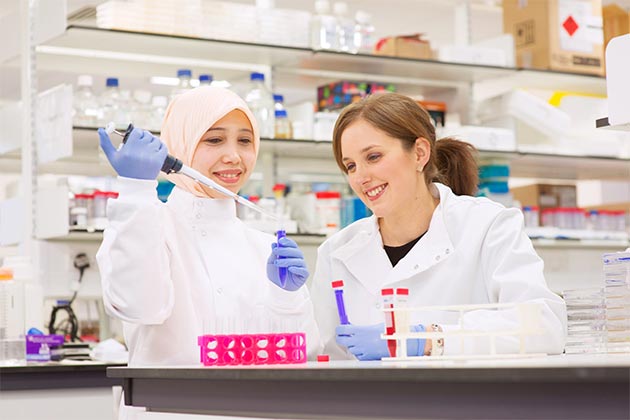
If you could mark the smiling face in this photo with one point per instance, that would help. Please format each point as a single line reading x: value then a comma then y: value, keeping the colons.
x: 226, y: 153
x: 382, y: 173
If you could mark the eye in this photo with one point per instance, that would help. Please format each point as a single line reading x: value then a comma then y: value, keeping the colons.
x: 213, y: 140
x: 373, y: 157
x: 245, y: 140
x: 350, y: 167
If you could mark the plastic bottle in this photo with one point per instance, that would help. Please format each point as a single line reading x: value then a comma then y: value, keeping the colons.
x: 363, y: 32
x: 323, y: 27
x: 12, y: 339
x: 85, y: 105
x: 205, y: 80
x: 260, y: 102
x: 344, y: 28
x: 283, y: 125
x: 184, y: 85
x: 278, y: 102
x: 111, y: 105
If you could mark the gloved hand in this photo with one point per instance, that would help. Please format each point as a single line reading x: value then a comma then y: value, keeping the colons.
x: 292, y: 259
x: 364, y: 341
x: 141, y: 157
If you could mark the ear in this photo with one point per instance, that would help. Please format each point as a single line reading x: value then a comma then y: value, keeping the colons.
x: 422, y: 151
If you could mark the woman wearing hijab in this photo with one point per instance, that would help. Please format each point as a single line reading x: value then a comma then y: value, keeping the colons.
x: 169, y: 270
x: 427, y: 235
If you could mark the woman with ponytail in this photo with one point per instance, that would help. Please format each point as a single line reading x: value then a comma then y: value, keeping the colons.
x: 429, y: 234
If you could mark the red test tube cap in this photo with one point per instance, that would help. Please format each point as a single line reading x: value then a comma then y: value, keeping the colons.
x: 402, y: 291
x: 337, y: 283
x: 385, y: 292
x: 323, y: 358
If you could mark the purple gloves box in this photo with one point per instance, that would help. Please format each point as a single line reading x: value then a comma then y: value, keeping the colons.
x: 38, y: 346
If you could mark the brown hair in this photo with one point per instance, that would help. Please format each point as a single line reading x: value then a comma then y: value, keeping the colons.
x: 451, y: 162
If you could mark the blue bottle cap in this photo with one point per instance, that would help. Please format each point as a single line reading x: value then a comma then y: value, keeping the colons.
x: 281, y: 113
x: 278, y: 98
x: 184, y: 73
x: 205, y: 78
x: 111, y: 82
x: 257, y: 76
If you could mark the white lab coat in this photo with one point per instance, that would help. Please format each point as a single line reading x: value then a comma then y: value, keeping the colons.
x: 474, y: 252
x: 174, y: 271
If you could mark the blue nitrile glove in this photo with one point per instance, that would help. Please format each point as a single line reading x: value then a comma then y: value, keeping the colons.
x: 364, y: 341
x: 292, y: 259
x: 141, y: 157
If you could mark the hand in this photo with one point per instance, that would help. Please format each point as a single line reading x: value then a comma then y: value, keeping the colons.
x: 141, y: 157
x: 364, y: 341
x: 288, y: 256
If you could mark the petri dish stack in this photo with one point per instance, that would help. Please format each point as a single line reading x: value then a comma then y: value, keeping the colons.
x: 586, y: 312
x: 617, y: 299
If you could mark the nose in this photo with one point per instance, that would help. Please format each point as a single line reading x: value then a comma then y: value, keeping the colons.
x: 361, y: 176
x: 231, y: 155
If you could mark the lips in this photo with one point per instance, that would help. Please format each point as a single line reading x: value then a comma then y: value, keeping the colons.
x: 231, y: 176
x: 375, y: 193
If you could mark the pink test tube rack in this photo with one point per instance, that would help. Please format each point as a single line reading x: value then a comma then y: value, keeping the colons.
x: 252, y: 349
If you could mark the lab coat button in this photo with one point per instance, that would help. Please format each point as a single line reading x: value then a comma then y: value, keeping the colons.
x: 437, y: 258
x: 448, y: 251
x: 219, y: 290
x: 203, y: 233
x: 378, y: 306
x: 198, y: 215
x: 415, y: 267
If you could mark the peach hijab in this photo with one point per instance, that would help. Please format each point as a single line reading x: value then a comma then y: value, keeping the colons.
x: 189, y: 116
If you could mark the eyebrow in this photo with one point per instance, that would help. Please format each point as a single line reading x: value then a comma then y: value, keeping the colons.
x: 365, y: 149
x: 247, y: 130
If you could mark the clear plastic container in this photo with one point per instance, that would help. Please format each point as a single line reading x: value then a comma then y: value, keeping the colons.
x: 345, y: 28
x: 141, y: 109
x: 158, y: 105
x: 363, y: 32
x: 328, y: 210
x: 530, y: 214
x: 184, y: 85
x: 98, y: 214
x: 283, y: 125
x: 85, y: 104
x: 323, y: 27
x: 205, y: 79
x: 260, y: 102
x: 79, y: 211
x: 12, y: 330
x: 111, y: 103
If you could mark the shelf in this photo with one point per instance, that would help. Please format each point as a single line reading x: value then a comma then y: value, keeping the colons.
x: 610, y: 245
x: 96, y: 50
x: 604, y: 123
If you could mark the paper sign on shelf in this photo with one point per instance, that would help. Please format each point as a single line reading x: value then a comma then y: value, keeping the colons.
x: 54, y: 124
x: 11, y: 123
x: 12, y: 221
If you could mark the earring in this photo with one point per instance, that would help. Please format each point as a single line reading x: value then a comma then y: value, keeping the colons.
x: 420, y: 168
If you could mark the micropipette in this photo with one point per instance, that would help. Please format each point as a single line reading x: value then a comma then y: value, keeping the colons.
x: 174, y: 165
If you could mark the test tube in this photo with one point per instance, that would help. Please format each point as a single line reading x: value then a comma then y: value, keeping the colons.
x: 390, y: 325
x: 337, y: 285
x: 282, y: 271
x: 401, y: 320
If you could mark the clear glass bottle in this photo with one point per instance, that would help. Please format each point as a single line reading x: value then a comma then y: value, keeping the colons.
x: 141, y: 110
x: 344, y: 28
x: 110, y: 101
x: 283, y: 125
x: 323, y: 27
x: 363, y: 32
x: 260, y: 102
x: 278, y: 102
x: 184, y: 85
x: 205, y: 80
x: 158, y: 105
x: 85, y: 105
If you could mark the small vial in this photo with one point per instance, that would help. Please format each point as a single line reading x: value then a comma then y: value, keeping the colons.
x: 390, y: 324
x: 282, y: 271
x: 337, y: 285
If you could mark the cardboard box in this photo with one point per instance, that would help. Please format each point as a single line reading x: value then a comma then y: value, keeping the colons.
x: 546, y: 195
x: 616, y: 22
x: 564, y: 35
x: 408, y: 46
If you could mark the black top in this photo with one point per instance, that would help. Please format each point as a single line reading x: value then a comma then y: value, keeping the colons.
x: 397, y: 253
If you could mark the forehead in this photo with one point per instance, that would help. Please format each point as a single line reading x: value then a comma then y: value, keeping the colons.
x: 361, y: 134
x: 235, y: 118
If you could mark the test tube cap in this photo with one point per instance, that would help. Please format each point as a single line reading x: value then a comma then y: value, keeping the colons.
x: 402, y: 291
x: 337, y: 283
x: 323, y: 358
x: 386, y: 292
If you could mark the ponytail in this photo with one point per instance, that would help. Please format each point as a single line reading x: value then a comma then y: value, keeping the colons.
x: 456, y: 166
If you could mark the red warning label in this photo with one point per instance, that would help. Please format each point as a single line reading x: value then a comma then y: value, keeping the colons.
x: 570, y: 25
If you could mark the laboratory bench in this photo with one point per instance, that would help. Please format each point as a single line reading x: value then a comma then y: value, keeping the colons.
x: 549, y: 387
x: 56, y: 375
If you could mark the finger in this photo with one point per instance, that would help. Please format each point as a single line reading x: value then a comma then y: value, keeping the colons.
x: 288, y: 252
x: 135, y: 136
x: 301, y: 272
x: 344, y: 341
x: 345, y: 330
x: 273, y: 246
x: 287, y: 242
x: 290, y: 262
x: 106, y: 144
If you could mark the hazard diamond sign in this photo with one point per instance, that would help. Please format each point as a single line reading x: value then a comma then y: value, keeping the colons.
x: 570, y: 25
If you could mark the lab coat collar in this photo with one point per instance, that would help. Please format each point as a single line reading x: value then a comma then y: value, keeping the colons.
x: 365, y: 258
x: 202, y: 210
